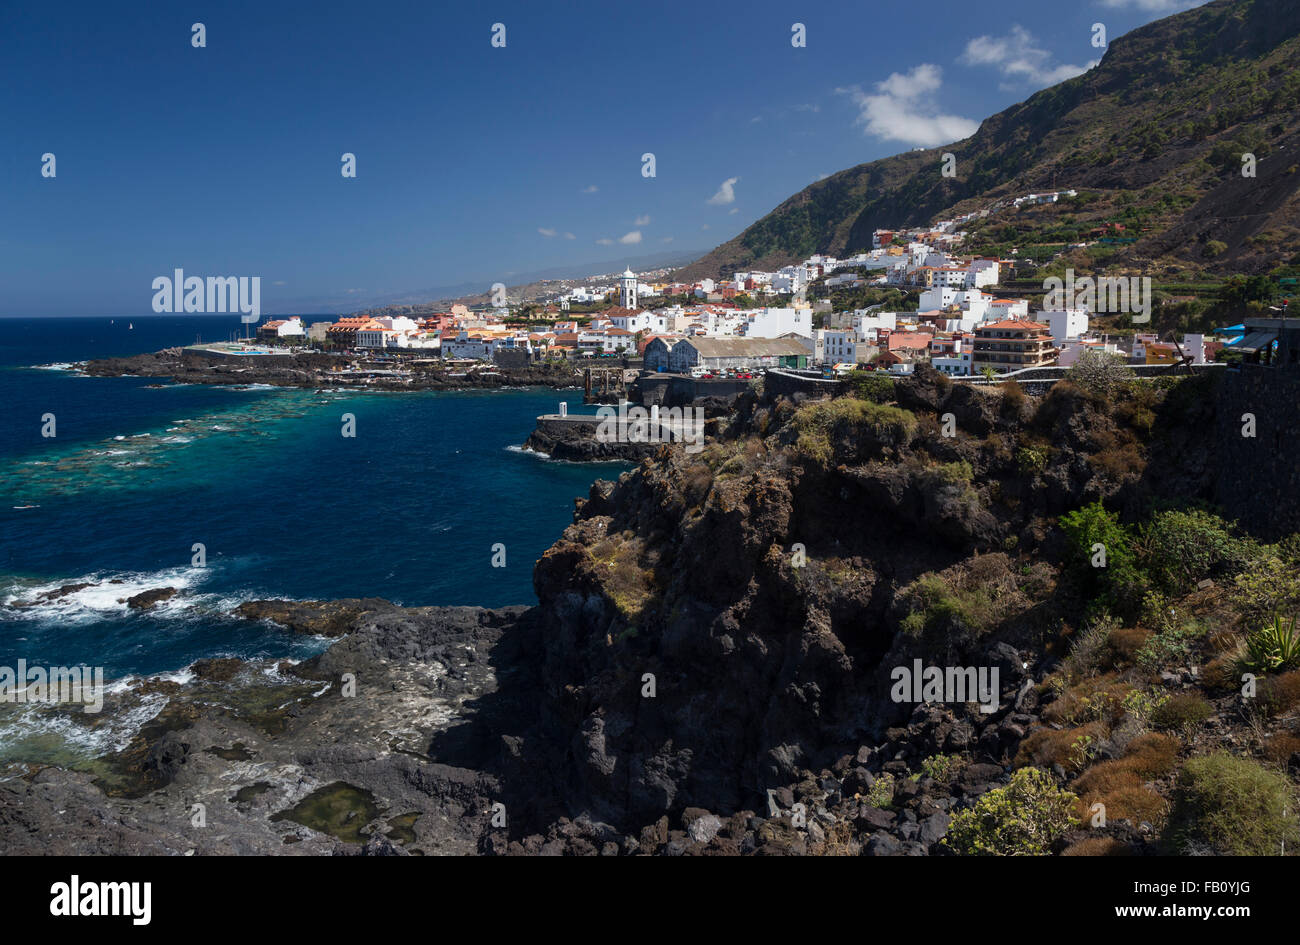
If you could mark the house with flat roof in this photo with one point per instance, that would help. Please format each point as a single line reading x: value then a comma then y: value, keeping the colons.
x: 721, y: 354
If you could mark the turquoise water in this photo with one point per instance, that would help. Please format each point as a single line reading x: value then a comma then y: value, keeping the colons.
x: 285, y: 505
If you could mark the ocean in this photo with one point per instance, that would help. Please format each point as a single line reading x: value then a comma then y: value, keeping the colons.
x: 283, y: 504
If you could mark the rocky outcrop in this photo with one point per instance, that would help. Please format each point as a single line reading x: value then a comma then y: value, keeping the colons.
x: 147, y: 600
x: 708, y: 669
x: 318, y: 370
x: 331, y: 618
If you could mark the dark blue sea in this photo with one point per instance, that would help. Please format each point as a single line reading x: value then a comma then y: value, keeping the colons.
x: 284, y: 505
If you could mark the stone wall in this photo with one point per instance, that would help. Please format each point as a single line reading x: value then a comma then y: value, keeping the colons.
x: 790, y: 383
x: 1259, y: 480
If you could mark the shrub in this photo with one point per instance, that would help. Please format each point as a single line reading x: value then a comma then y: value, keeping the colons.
x: 1125, y: 643
x: 1099, y: 372
x: 1031, y: 460
x: 1181, y: 547
x: 1140, y: 705
x: 1049, y: 746
x: 1085, y: 529
x: 846, y: 418
x: 935, y: 605
x: 1172, y: 646
x: 941, y: 767
x: 1234, y: 806
x: 1280, y: 747
x: 874, y: 386
x: 881, y: 792
x: 1278, y: 694
x: 1088, y: 646
x: 1271, y: 583
x: 1151, y: 755
x: 1183, y: 711
x: 1013, y: 398
x: 1024, y: 818
x: 1221, y: 674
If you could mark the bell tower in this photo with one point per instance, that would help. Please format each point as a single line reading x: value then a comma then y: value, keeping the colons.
x: 627, y: 290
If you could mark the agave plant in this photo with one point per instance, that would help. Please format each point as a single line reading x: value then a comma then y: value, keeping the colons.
x: 1274, y: 646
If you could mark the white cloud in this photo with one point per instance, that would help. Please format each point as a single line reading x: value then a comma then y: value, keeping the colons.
x: 547, y: 231
x: 643, y: 220
x: 903, y: 109
x: 666, y: 239
x: 590, y: 189
x: 726, y: 193
x: 733, y: 210
x: 630, y: 238
x: 704, y: 227
x: 605, y: 241
x: 1018, y: 57
x: 569, y: 236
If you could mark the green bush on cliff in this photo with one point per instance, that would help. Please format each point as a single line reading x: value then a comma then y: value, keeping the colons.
x: 1102, y: 557
x: 1269, y: 585
x: 1022, y: 819
x: 874, y: 386
x: 935, y: 605
x: 1233, y: 807
x: 819, y: 425
x: 1180, y: 547
x: 1031, y: 460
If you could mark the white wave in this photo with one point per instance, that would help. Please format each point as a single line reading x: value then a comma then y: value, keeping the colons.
x: 52, y: 730
x: 102, y: 597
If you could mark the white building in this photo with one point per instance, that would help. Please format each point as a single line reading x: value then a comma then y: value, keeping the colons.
x: 775, y: 322
x: 838, y: 346
x: 954, y: 365
x: 636, y: 321
x: 627, y: 289
x: 1065, y: 324
x: 868, y: 323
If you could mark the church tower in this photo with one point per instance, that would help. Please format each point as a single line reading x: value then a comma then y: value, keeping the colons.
x: 627, y: 290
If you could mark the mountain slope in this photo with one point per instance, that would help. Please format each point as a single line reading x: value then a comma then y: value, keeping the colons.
x: 1154, y: 134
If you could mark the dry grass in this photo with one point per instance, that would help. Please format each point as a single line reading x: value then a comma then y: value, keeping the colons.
x: 1279, y: 694
x: 1125, y: 643
x: 1047, y: 747
x: 1098, y: 846
x: 1280, y: 747
x: 1097, y: 697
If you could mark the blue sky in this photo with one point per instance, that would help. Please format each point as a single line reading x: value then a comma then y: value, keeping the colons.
x: 473, y: 162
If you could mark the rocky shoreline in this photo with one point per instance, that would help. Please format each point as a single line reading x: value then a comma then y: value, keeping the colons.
x: 709, y: 667
x: 317, y: 371
x: 446, y: 722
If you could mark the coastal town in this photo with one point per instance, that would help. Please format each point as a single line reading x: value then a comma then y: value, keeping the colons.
x: 949, y: 311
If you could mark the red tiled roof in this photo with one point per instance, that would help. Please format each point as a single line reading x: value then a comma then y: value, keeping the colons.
x: 1015, y: 324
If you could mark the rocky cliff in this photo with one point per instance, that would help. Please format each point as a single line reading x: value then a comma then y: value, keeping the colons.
x: 710, y: 667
